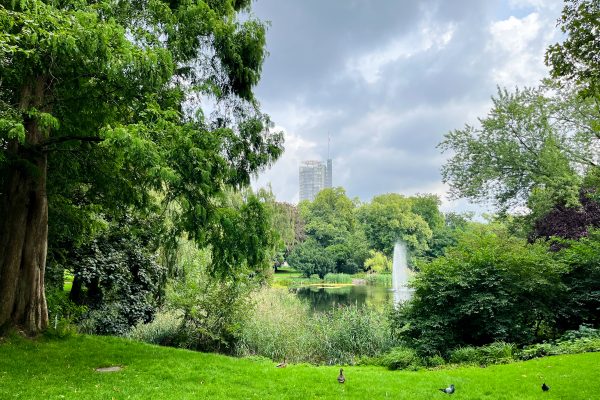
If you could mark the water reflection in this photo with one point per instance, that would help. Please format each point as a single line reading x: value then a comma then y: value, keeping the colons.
x: 325, y: 298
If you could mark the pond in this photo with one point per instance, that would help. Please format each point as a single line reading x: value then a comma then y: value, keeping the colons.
x: 323, y: 298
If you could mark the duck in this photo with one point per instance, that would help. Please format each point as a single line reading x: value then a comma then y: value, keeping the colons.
x: 282, y: 364
x: 341, y: 378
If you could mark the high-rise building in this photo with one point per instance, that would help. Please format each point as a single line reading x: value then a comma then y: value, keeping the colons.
x: 314, y: 177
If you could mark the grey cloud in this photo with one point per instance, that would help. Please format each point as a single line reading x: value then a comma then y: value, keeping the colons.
x: 384, y: 133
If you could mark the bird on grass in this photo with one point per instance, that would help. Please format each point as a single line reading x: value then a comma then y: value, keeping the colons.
x: 341, y: 377
x: 448, y: 390
x: 545, y: 387
x: 282, y: 364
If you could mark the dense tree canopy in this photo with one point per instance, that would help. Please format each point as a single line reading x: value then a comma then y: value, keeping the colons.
x: 392, y: 217
x: 100, y: 110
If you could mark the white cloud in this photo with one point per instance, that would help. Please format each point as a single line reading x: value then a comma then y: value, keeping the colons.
x: 518, y: 46
x: 429, y: 37
x: 283, y: 182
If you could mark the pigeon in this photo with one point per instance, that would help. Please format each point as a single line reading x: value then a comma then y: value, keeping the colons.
x: 545, y: 387
x: 341, y: 377
x: 282, y: 364
x: 448, y: 390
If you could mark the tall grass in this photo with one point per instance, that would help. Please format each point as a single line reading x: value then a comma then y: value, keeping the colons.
x: 338, y: 278
x: 282, y: 326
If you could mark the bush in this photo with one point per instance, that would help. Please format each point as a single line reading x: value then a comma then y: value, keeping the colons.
x: 495, y: 353
x: 164, y: 330
x: 582, y: 345
x: 490, y: 288
x: 434, y: 361
x: 584, y: 332
x: 401, y: 358
x: 63, y: 314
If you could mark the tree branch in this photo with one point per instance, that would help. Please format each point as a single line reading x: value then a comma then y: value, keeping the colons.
x: 62, y: 139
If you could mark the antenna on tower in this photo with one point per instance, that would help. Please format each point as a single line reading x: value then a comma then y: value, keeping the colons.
x: 328, y: 142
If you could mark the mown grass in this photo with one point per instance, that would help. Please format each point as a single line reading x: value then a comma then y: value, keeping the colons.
x: 64, y: 369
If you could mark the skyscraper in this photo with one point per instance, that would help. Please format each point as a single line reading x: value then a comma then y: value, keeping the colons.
x: 314, y: 177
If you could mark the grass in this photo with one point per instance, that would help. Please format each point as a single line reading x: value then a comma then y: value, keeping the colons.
x: 289, y: 277
x: 64, y: 369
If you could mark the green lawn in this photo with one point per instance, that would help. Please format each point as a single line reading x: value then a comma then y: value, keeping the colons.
x: 64, y: 369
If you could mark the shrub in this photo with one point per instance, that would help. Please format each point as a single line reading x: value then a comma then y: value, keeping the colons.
x: 434, y: 361
x: 495, y: 353
x: 63, y: 314
x: 164, y: 330
x: 490, y: 288
x: 465, y: 355
x: 582, y: 345
x: 584, y: 332
x: 401, y: 358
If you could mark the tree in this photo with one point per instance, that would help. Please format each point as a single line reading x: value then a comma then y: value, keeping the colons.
x: 287, y: 224
x: 312, y: 259
x: 389, y: 218
x: 378, y: 262
x: 99, y: 112
x: 532, y: 140
x: 576, y: 58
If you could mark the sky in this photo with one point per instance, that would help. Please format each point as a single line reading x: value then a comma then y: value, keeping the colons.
x: 386, y: 79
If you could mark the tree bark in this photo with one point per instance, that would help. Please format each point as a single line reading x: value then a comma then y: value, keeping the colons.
x: 24, y: 225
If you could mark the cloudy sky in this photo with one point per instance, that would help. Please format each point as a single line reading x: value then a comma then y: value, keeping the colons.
x: 386, y: 79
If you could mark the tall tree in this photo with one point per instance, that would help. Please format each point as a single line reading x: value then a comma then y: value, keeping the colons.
x: 390, y: 217
x: 533, y: 141
x: 99, y: 100
x: 576, y: 59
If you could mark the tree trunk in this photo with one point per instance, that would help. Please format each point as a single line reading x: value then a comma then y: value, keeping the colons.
x: 24, y: 225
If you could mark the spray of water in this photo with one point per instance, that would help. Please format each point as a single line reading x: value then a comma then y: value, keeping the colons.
x: 400, y: 274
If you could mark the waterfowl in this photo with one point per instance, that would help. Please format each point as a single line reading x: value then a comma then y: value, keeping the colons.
x: 341, y: 377
x: 282, y: 364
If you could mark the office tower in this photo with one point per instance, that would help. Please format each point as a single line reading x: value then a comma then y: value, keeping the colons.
x: 312, y: 179
x: 328, y: 174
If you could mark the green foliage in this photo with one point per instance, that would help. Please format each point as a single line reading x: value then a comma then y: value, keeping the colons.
x: 310, y: 258
x: 399, y: 358
x: 165, y: 330
x: 212, y: 308
x: 378, y: 262
x: 118, y: 280
x: 390, y: 217
x: 567, y: 346
x: 338, y: 278
x: 490, y: 287
x: 574, y: 58
x: 581, y: 301
x: 109, y: 92
x: 494, y: 353
x: 63, y: 314
x: 282, y: 326
x: 335, y: 241
x: 528, y: 145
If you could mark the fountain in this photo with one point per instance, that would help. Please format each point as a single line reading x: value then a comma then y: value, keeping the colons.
x: 400, y: 274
